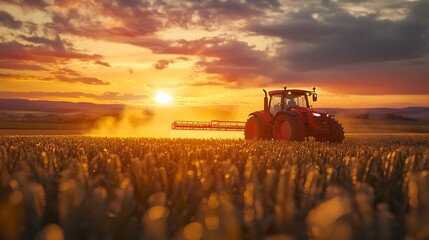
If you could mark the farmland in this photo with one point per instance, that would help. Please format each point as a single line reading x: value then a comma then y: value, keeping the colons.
x: 73, y: 187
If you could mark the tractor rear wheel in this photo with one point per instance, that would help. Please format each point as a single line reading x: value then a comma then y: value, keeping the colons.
x: 288, y: 128
x: 253, y: 129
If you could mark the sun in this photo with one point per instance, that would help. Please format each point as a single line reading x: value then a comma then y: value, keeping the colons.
x: 163, y: 98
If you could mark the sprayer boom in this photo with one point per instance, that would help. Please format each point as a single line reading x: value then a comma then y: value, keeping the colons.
x: 214, y: 125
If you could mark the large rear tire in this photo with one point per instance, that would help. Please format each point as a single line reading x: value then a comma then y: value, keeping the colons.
x: 253, y: 129
x: 288, y: 128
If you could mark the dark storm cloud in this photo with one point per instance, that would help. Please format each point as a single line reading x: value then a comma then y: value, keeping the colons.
x: 340, y: 38
x: 7, y: 20
x: 214, y: 14
x: 211, y: 13
x: 370, y: 79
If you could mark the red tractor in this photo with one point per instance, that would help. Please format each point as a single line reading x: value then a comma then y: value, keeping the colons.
x: 288, y: 116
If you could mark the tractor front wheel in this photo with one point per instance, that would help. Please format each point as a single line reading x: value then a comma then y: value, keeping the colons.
x: 288, y: 128
x: 336, y: 133
x: 253, y: 129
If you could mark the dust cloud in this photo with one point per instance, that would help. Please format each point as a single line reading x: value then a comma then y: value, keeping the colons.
x: 131, y: 122
x: 156, y: 122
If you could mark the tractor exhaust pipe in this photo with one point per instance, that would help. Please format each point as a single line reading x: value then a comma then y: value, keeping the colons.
x: 265, y: 101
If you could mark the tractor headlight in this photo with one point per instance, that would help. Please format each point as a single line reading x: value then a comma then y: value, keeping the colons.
x: 316, y: 115
x: 327, y: 115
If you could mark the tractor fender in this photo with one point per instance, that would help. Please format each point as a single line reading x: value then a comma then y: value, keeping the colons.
x: 264, y: 118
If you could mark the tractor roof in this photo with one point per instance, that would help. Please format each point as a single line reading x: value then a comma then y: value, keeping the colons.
x: 293, y: 91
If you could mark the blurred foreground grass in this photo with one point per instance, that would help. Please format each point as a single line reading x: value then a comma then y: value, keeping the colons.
x: 59, y: 187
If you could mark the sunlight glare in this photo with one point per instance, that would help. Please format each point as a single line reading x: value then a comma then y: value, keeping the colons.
x: 163, y: 98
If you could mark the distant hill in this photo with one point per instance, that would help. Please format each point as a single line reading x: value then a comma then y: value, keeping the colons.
x: 53, y: 106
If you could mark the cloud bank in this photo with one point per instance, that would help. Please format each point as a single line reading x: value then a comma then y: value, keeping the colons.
x: 349, y: 47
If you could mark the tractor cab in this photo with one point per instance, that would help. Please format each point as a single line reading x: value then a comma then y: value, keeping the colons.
x: 281, y: 100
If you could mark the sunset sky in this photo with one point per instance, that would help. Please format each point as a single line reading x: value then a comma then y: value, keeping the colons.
x: 215, y: 52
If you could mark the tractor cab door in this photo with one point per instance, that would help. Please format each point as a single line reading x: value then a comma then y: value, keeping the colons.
x: 275, y: 104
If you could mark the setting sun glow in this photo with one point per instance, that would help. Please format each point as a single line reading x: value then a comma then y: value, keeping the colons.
x: 163, y: 98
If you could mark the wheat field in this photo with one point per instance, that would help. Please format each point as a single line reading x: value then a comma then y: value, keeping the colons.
x: 72, y: 187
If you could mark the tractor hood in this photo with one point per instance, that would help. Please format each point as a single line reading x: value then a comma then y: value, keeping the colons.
x: 309, y: 110
x: 312, y: 110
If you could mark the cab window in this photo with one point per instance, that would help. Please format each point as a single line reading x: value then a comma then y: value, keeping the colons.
x: 292, y: 100
x: 275, y: 104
